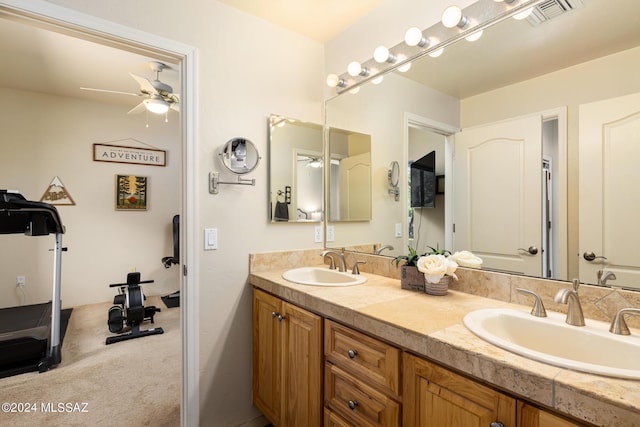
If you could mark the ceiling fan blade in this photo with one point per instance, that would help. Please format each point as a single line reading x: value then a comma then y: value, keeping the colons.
x: 138, y: 109
x: 145, y: 84
x: 175, y: 107
x: 110, y: 91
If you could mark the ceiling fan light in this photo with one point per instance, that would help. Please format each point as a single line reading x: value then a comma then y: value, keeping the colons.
x: 156, y: 105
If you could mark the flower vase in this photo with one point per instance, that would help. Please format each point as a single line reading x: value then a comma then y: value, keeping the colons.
x: 439, y: 288
x: 411, y: 278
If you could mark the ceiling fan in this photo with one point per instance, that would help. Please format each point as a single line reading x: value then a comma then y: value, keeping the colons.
x: 159, y: 96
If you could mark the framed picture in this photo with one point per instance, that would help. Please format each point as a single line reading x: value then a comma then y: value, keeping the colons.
x: 131, y: 192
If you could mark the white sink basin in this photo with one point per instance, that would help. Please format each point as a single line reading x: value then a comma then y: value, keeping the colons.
x: 317, y: 276
x: 591, y: 348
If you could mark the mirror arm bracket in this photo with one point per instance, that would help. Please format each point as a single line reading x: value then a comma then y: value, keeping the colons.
x: 214, y: 182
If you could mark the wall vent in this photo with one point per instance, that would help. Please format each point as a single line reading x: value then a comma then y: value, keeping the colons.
x: 551, y: 9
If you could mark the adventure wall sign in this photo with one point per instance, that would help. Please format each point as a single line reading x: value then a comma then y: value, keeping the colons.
x: 122, y: 154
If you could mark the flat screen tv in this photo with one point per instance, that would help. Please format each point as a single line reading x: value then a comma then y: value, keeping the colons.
x: 423, y: 182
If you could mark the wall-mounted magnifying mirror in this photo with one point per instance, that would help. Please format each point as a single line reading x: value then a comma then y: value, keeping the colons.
x: 393, y: 175
x: 239, y: 156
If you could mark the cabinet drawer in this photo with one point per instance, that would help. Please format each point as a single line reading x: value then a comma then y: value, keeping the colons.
x: 331, y: 419
x: 363, y: 356
x: 356, y: 402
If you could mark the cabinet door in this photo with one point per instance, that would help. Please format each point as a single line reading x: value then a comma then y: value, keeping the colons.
x: 434, y: 397
x: 267, y: 355
x: 530, y: 416
x: 302, y: 367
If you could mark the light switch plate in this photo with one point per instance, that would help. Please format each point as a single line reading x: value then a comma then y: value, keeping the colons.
x: 398, y: 229
x: 210, y: 239
x: 317, y: 234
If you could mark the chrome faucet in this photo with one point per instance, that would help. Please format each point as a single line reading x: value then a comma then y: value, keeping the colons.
x: 570, y: 297
x: 382, y: 248
x: 619, y: 325
x: 339, y: 256
x: 604, y: 275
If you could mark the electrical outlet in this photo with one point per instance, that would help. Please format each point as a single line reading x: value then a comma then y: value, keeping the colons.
x: 317, y: 234
x: 20, y: 281
x: 331, y: 233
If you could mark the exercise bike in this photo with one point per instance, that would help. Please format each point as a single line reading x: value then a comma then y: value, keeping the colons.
x: 130, y: 311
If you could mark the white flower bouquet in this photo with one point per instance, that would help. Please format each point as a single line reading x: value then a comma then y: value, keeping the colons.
x: 436, y: 266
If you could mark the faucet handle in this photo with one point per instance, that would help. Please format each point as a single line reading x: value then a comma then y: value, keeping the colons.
x: 619, y: 325
x: 538, y: 307
x: 355, y: 269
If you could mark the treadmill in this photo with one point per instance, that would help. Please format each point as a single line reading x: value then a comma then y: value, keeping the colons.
x: 30, y: 334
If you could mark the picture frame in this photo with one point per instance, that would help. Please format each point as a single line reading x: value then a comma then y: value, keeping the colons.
x: 131, y: 193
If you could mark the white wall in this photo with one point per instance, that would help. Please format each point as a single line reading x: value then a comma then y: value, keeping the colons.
x: 46, y: 136
x: 247, y: 69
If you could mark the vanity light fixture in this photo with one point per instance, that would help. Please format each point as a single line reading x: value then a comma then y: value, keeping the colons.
x: 456, y: 24
x: 382, y: 55
x: 334, y: 81
x: 414, y: 37
x: 453, y: 17
x: 156, y: 104
x: 356, y: 69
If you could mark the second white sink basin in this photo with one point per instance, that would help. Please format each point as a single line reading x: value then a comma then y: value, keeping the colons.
x: 317, y: 276
x: 591, y: 348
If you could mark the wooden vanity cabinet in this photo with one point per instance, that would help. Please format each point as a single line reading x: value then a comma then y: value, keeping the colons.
x: 362, y: 379
x: 287, y: 362
x: 434, y: 396
x: 531, y: 416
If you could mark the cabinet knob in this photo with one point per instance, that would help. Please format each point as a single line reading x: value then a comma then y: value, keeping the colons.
x: 496, y: 424
x: 354, y: 403
x: 352, y: 353
x: 281, y: 317
x: 274, y: 314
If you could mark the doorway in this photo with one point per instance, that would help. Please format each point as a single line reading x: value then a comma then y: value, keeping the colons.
x: 59, y: 19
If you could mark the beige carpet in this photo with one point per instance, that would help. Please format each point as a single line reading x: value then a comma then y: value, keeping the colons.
x: 135, y: 382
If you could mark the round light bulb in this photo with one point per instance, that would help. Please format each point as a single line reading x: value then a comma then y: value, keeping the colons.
x: 333, y: 80
x: 354, y: 90
x: 404, y: 68
x: 354, y: 68
x: 523, y: 15
x: 382, y: 54
x: 436, y: 53
x: 453, y: 17
x: 474, y: 36
x: 156, y: 105
x: 377, y: 80
x: 414, y: 37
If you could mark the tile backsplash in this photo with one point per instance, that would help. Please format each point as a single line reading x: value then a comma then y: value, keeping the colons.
x: 598, y: 302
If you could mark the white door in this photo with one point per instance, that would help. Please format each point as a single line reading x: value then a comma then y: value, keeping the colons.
x: 355, y: 188
x: 498, y: 196
x: 609, y: 155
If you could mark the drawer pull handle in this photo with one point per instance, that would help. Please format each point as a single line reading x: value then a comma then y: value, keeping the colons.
x: 354, y: 403
x: 352, y: 354
x: 496, y: 424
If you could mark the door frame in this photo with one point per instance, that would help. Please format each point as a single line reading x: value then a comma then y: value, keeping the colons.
x: 83, y: 26
x: 410, y: 120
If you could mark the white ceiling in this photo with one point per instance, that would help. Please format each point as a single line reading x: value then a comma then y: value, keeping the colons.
x: 39, y: 60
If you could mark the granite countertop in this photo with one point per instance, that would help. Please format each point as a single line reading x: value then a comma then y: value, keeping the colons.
x: 431, y: 326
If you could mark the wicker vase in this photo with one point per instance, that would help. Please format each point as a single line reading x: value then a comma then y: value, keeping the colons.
x: 412, y: 279
x: 439, y: 288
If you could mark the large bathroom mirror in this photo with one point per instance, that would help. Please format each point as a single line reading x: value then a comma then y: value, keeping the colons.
x: 296, y: 170
x: 551, y: 73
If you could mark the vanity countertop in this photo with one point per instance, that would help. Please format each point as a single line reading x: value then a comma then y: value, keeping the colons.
x: 431, y: 326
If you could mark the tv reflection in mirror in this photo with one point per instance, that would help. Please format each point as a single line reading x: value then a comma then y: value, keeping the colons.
x: 423, y: 181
